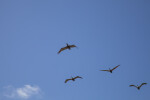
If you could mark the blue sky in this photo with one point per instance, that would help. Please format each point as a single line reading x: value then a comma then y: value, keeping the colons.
x: 107, y: 33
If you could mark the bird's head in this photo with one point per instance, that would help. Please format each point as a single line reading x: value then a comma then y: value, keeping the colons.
x: 110, y: 70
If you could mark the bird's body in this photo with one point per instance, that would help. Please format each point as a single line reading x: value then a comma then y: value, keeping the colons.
x: 66, y: 47
x: 110, y: 70
x: 138, y: 87
x: 73, y: 79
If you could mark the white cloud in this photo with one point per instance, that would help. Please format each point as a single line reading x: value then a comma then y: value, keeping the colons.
x: 25, y: 92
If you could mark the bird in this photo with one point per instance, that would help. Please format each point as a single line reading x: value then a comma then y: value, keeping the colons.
x: 110, y: 70
x: 73, y: 78
x: 66, y: 47
x: 138, y: 87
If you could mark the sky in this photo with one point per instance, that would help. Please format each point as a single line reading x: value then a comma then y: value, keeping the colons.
x: 106, y: 32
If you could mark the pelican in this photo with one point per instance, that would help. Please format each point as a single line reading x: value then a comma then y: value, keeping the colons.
x: 138, y: 87
x: 66, y: 47
x: 73, y: 78
x: 110, y: 70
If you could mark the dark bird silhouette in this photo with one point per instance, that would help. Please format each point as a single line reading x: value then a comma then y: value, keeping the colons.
x: 66, y: 47
x: 110, y: 70
x: 138, y: 87
x: 73, y: 79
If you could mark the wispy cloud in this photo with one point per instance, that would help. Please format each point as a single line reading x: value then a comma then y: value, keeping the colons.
x: 25, y: 92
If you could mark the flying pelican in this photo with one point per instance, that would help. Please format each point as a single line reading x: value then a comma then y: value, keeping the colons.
x: 73, y: 79
x: 66, y: 47
x: 138, y: 87
x: 110, y: 70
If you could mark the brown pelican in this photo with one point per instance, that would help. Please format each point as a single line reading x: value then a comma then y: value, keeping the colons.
x: 73, y: 79
x: 138, y: 87
x: 66, y: 47
x: 110, y: 70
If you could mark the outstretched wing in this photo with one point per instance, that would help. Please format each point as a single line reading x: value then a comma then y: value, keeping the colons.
x: 104, y: 70
x: 132, y: 85
x: 64, y: 48
x: 67, y: 80
x: 115, y: 67
x: 142, y: 84
x: 78, y: 77
x: 72, y: 46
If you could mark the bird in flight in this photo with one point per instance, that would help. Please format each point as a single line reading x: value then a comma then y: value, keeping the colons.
x: 66, y: 47
x: 73, y: 78
x: 138, y: 87
x: 110, y: 70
